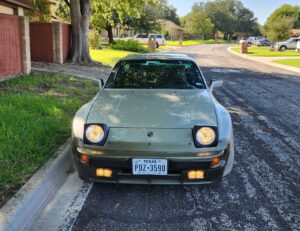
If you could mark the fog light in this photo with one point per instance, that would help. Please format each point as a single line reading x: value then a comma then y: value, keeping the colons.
x: 215, y: 162
x: 195, y: 174
x: 103, y: 172
x: 84, y: 158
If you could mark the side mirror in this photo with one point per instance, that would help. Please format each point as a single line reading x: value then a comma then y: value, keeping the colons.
x: 215, y: 84
x: 99, y: 83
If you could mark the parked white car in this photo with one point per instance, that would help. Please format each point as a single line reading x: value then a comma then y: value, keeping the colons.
x: 288, y: 44
x: 298, y: 46
x: 144, y: 38
x: 250, y: 40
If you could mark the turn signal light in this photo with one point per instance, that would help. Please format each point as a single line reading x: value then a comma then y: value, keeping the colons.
x: 215, y: 162
x: 103, y: 172
x: 195, y: 174
x: 84, y: 158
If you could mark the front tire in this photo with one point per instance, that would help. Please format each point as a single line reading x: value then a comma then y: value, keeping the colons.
x: 157, y: 45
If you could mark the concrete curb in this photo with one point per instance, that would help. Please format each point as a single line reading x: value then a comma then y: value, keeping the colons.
x: 20, y: 212
x: 258, y: 59
x: 35, y: 70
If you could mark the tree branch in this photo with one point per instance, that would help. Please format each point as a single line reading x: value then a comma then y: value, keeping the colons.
x: 67, y: 2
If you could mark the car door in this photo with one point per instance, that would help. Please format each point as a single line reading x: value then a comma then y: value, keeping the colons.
x: 292, y: 44
x: 144, y: 39
x: 296, y: 42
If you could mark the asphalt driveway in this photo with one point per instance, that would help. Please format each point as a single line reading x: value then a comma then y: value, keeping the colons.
x: 263, y: 190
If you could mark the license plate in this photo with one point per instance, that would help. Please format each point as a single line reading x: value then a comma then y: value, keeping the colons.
x: 149, y: 167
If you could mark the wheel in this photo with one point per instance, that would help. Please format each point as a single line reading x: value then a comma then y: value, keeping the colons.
x: 249, y: 44
x: 282, y: 48
x: 157, y: 45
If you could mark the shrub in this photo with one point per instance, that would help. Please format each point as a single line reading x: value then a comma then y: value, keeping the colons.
x: 94, y: 39
x: 129, y: 45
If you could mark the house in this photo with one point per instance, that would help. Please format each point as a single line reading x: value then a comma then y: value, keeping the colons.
x: 14, y: 39
x: 14, y: 7
x: 295, y: 32
x: 175, y: 32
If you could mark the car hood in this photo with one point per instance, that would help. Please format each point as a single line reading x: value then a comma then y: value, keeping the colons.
x: 153, y: 108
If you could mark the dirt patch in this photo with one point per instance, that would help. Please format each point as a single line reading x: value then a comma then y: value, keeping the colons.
x: 8, y: 192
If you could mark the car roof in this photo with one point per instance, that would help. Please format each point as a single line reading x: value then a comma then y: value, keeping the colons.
x: 158, y: 56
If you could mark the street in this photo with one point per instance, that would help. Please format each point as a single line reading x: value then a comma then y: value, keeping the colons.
x: 261, y: 193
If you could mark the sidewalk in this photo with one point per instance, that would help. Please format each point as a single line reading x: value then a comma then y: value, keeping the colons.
x: 269, y: 60
x: 88, y: 72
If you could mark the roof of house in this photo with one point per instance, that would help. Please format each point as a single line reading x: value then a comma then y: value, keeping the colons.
x: 23, y: 3
x: 296, y: 32
x: 170, y: 24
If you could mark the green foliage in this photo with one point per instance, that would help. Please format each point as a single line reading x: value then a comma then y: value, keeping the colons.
x: 129, y: 45
x: 281, y: 21
x: 41, y: 11
x: 94, y: 38
x: 281, y: 28
x: 63, y: 11
x: 196, y: 22
x: 231, y: 17
x: 169, y: 12
x: 113, y: 12
x: 148, y: 22
x: 36, y: 114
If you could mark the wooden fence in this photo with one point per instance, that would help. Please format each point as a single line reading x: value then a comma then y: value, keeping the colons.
x: 10, y: 46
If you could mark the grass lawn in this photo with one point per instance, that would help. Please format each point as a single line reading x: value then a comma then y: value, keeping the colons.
x: 195, y: 42
x: 35, y: 119
x: 289, y: 62
x: 265, y: 51
x: 109, y: 56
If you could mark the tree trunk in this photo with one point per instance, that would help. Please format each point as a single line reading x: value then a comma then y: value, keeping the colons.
x: 109, y: 33
x: 80, y: 17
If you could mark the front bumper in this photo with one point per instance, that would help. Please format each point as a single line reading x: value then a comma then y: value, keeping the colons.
x: 177, y: 169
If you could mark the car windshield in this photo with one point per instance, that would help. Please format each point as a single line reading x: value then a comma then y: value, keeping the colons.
x: 149, y: 74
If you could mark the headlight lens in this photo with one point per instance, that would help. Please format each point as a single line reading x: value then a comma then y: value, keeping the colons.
x: 94, y: 133
x: 205, y: 136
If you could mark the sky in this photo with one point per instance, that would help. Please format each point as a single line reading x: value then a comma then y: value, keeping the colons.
x: 261, y: 8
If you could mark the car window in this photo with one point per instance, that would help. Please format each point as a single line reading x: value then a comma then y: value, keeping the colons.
x: 139, y: 36
x: 160, y: 74
x: 291, y: 40
x: 159, y: 36
x: 144, y: 36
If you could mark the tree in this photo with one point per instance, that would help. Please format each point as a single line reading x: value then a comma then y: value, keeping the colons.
x: 110, y: 13
x: 63, y: 11
x: 231, y: 17
x: 196, y: 22
x: 80, y: 18
x: 148, y: 22
x: 40, y: 12
x: 281, y: 28
x: 169, y: 12
x: 280, y: 23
